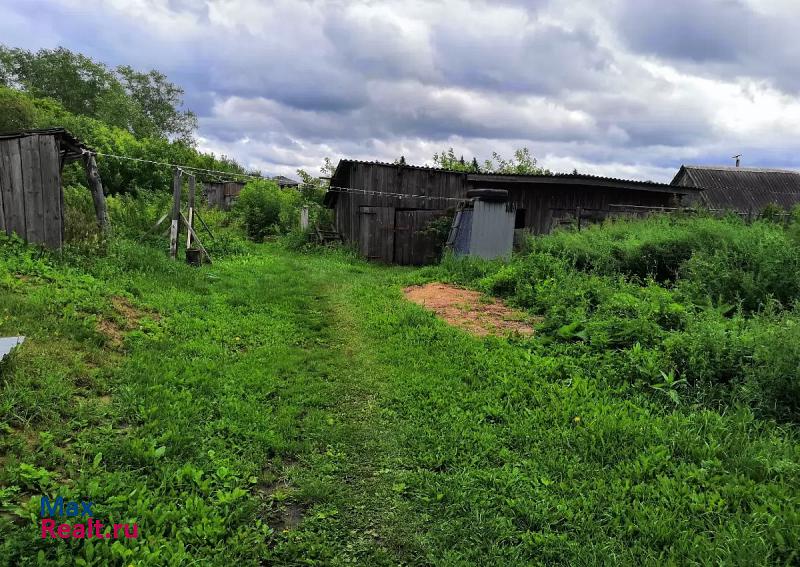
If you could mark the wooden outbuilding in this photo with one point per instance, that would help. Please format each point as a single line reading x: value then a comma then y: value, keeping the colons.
x: 31, y: 197
x: 746, y: 190
x: 222, y: 194
x: 385, y: 208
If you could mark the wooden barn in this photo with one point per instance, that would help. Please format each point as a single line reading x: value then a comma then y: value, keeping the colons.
x: 31, y: 198
x: 746, y: 190
x: 384, y: 208
x: 222, y: 194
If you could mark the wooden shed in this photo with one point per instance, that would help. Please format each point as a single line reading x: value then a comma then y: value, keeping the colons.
x: 384, y: 208
x: 31, y: 198
x: 222, y: 194
x: 746, y: 190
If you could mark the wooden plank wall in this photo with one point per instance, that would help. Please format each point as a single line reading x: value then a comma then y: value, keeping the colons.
x: 30, y: 189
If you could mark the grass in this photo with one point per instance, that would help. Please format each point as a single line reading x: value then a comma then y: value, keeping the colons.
x: 286, y: 409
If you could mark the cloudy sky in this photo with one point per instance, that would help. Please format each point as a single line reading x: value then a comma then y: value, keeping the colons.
x: 629, y: 88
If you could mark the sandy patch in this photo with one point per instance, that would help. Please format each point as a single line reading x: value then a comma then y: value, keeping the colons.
x: 470, y: 310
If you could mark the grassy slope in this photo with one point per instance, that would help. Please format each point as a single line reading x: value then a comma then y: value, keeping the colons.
x: 274, y: 389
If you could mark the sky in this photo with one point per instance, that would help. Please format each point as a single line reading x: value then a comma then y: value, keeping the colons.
x: 626, y: 88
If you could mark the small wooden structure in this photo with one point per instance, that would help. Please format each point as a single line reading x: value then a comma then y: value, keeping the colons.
x: 384, y: 208
x: 746, y: 190
x: 31, y: 196
x: 222, y: 194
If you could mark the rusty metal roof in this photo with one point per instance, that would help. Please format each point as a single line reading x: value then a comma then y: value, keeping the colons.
x: 742, y: 189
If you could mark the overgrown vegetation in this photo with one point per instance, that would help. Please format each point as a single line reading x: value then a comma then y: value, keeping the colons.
x: 277, y: 408
x: 119, y: 111
x: 707, y: 308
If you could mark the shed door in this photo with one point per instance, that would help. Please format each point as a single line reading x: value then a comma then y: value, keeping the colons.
x: 376, y: 233
x: 411, y: 245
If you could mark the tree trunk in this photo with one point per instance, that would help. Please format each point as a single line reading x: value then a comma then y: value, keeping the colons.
x: 96, y: 187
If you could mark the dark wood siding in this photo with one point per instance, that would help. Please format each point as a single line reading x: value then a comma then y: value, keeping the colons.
x: 548, y: 201
x: 30, y: 184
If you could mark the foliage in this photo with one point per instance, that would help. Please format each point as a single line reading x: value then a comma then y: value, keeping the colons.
x: 710, y: 303
x: 281, y: 409
x: 267, y: 210
x: 521, y: 163
x: 17, y: 112
x: 145, y: 104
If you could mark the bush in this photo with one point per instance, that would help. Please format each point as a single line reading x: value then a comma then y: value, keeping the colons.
x: 708, y: 306
x: 266, y: 209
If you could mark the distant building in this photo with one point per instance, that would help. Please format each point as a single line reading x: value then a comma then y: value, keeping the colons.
x: 285, y: 182
x: 742, y: 189
x: 385, y: 208
x: 222, y: 194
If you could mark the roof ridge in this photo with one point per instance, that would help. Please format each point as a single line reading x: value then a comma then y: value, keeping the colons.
x: 739, y: 168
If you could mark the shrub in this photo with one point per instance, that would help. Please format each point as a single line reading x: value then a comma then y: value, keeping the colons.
x: 267, y: 210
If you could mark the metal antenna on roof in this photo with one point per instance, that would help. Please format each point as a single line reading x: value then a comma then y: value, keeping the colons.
x: 737, y: 158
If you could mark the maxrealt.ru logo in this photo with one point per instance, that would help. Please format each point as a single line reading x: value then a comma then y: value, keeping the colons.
x: 83, y: 511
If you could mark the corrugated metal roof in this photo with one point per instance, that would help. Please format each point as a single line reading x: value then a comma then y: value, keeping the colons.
x: 596, y: 179
x: 742, y: 189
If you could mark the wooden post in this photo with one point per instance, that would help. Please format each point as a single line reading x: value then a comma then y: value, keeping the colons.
x: 578, y: 214
x: 176, y: 213
x: 96, y: 187
x: 190, y: 219
x: 304, y: 218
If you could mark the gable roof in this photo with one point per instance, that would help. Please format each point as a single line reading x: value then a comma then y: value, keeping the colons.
x: 284, y: 181
x: 743, y: 189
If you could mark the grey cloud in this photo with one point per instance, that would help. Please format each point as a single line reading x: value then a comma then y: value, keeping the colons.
x: 283, y: 84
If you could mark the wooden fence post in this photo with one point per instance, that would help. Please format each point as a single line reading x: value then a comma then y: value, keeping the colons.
x: 304, y: 218
x: 176, y: 213
x: 190, y: 215
x: 96, y: 187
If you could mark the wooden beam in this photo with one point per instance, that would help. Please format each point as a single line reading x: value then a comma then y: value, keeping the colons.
x: 190, y: 221
x: 96, y: 187
x: 176, y: 213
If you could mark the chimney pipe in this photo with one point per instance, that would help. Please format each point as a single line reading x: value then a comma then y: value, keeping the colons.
x: 737, y: 158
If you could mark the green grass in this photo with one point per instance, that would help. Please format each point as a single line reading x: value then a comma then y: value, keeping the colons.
x: 287, y: 409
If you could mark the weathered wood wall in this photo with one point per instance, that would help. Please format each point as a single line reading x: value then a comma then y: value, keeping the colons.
x: 543, y: 206
x: 31, y: 200
x: 222, y: 194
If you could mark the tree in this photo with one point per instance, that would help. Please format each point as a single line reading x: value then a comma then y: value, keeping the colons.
x: 159, y: 102
x: 17, y: 112
x: 448, y: 160
x: 522, y: 163
x: 145, y: 104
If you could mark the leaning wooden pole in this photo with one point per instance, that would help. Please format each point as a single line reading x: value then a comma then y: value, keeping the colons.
x: 176, y: 214
x: 190, y: 215
x: 96, y: 187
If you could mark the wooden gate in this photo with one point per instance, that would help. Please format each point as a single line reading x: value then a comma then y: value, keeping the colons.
x: 412, y: 246
x: 376, y: 233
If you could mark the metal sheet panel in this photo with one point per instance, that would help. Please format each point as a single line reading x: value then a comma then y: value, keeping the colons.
x: 492, y: 230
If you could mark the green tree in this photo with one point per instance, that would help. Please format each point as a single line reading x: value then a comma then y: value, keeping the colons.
x: 17, y: 112
x: 145, y: 104
x: 448, y: 160
x: 159, y: 102
x: 522, y: 163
